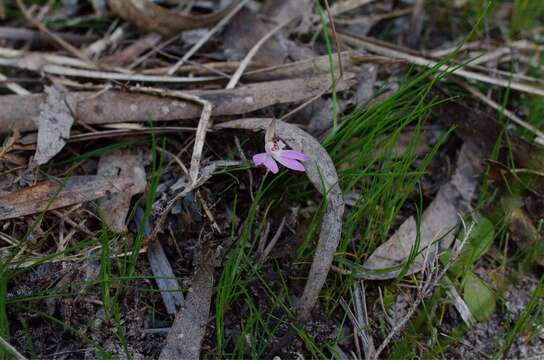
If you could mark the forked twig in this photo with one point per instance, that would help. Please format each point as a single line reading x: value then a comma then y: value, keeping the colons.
x: 201, y: 130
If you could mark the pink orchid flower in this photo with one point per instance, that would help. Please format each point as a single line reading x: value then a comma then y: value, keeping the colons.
x: 275, y: 151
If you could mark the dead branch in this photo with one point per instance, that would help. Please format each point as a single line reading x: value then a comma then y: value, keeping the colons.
x: 50, y: 195
x: 186, y: 334
x: 20, y: 112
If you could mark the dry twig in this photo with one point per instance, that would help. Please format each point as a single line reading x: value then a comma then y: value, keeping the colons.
x: 16, y: 88
x: 381, y: 49
x: 341, y: 7
x: 335, y: 37
x: 34, y: 36
x: 124, y: 107
x: 510, y: 115
x: 201, y: 129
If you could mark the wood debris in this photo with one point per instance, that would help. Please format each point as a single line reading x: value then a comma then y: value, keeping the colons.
x: 112, y: 106
x: 385, y: 49
x: 52, y: 194
x: 186, y: 334
x: 117, y: 106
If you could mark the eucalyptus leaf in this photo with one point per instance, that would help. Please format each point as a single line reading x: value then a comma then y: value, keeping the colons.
x: 436, y: 229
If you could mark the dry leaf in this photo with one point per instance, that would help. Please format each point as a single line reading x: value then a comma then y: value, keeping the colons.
x: 116, y: 106
x: 114, y: 208
x: 155, y: 18
x: 164, y: 277
x: 50, y: 195
x: 247, y: 28
x: 244, y: 31
x: 458, y: 302
x: 54, y: 123
x: 441, y: 216
x: 322, y: 174
x: 366, y: 81
x: 161, y: 268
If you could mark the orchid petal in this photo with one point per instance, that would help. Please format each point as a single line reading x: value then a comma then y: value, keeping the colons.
x: 291, y: 164
x: 259, y: 159
x: 295, y: 155
x: 271, y: 164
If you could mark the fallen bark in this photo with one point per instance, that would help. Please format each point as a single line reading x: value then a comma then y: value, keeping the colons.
x: 50, y: 195
x: 21, y: 111
x: 186, y: 334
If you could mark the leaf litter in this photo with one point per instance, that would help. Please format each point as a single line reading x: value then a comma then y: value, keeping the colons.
x: 54, y: 123
x: 115, y: 207
x: 436, y: 228
x: 141, y: 115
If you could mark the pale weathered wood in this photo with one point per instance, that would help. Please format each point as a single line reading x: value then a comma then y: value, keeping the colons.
x: 20, y: 112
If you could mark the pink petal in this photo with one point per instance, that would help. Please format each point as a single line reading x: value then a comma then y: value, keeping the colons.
x: 271, y: 164
x: 291, y: 164
x: 259, y: 159
x: 292, y: 154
